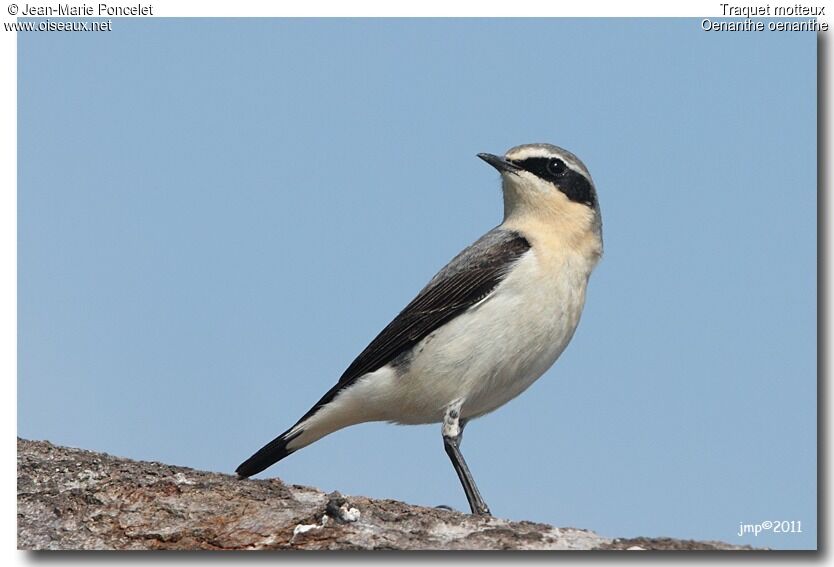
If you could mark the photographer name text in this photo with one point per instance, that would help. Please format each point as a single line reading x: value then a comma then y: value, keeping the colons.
x: 87, y: 10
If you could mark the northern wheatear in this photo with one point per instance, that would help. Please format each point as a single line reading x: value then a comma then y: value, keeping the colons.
x: 485, y: 327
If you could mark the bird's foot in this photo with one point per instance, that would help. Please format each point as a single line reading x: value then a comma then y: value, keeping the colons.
x: 482, y: 511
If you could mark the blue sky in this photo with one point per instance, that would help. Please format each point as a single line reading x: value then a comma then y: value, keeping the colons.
x: 216, y: 216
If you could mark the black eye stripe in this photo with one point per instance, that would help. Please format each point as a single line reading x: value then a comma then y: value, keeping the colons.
x: 573, y: 184
x: 537, y: 166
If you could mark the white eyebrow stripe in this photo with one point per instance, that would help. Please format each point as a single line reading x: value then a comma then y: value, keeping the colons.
x: 527, y: 152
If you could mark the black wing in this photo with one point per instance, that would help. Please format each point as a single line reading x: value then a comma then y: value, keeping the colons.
x: 466, y: 280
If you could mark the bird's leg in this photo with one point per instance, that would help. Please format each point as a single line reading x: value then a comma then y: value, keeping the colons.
x: 452, y: 436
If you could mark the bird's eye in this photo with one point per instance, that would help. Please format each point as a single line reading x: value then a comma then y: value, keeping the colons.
x: 555, y: 166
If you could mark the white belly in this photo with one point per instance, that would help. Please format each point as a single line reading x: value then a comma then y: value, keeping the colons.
x: 483, y: 358
x: 491, y: 353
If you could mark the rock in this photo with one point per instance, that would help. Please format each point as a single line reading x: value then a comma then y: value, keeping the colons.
x: 75, y: 499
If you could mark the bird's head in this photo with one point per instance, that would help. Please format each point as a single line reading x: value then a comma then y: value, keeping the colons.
x: 548, y: 183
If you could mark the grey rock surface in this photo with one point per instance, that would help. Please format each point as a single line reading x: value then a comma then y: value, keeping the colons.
x: 77, y: 499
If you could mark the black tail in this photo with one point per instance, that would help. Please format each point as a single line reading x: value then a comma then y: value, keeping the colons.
x: 267, y: 455
x: 276, y: 449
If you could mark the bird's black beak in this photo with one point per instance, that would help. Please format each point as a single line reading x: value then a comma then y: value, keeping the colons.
x: 499, y: 163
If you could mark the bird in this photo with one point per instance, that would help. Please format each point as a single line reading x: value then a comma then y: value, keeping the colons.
x: 484, y: 328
